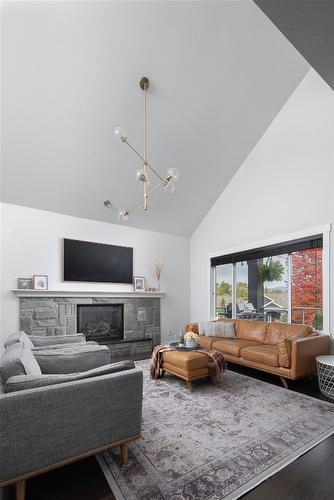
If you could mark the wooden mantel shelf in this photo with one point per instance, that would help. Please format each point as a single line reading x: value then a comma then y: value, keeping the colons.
x: 85, y: 293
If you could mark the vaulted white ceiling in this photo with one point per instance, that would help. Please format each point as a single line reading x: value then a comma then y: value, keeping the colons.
x: 219, y: 72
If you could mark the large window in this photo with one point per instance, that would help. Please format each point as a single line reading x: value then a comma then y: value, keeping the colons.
x: 277, y: 283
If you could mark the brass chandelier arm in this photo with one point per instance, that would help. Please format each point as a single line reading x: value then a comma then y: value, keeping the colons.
x: 147, y: 195
x: 142, y: 159
x: 155, y: 172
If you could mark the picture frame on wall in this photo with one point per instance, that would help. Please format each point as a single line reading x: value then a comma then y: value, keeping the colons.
x: 24, y: 283
x: 40, y: 282
x: 139, y: 283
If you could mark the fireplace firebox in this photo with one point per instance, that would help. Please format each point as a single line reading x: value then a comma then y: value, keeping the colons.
x: 101, y: 322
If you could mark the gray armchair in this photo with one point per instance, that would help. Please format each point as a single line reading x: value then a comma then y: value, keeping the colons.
x: 47, y: 427
x: 61, y: 405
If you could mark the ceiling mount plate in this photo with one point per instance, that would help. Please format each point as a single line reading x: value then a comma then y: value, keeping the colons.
x: 144, y: 83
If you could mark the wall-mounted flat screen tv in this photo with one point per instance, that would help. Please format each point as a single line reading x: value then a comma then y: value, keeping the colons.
x: 97, y: 262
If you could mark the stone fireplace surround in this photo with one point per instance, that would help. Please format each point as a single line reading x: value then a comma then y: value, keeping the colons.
x: 53, y: 313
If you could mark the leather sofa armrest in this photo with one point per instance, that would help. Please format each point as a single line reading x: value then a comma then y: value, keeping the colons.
x: 303, y: 352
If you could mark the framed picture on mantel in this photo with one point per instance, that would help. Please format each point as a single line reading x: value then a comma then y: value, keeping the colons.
x: 139, y: 283
x: 24, y: 283
x: 40, y: 282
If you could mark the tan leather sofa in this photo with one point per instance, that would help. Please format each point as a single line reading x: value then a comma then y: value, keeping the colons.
x: 286, y: 350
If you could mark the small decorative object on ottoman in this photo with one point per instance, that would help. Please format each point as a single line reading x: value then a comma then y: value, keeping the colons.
x: 192, y: 365
x: 191, y: 339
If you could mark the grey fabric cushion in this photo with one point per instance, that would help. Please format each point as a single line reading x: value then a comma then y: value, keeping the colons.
x: 62, y: 346
x: 201, y: 328
x: 39, y: 340
x: 220, y: 329
x: 23, y: 382
x: 72, y: 359
x: 16, y: 337
x: 230, y: 330
x: 18, y: 360
x: 214, y: 329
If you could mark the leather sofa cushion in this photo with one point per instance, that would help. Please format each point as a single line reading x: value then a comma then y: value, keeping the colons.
x: 206, y: 342
x: 279, y: 331
x: 232, y: 347
x: 187, y: 360
x: 251, y: 330
x: 265, y: 354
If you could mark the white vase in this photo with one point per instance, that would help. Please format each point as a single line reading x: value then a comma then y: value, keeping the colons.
x: 191, y: 343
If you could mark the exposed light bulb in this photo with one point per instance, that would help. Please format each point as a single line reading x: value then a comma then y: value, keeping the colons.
x: 142, y: 176
x: 123, y: 215
x: 169, y: 187
x: 173, y: 173
x: 119, y: 133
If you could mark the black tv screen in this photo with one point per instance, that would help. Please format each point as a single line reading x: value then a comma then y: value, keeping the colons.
x: 97, y: 262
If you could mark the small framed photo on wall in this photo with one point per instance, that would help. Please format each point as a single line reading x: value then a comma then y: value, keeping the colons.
x: 139, y: 283
x: 24, y: 283
x: 40, y: 282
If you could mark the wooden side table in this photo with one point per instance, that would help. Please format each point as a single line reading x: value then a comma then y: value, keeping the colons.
x: 325, y: 365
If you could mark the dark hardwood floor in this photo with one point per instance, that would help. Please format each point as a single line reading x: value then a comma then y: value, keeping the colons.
x: 310, y: 477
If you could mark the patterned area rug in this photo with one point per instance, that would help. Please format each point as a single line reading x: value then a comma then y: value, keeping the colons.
x: 217, y: 442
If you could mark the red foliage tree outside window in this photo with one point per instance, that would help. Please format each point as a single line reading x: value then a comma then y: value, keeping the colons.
x: 306, y: 287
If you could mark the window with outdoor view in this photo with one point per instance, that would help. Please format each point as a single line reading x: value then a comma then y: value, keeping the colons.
x: 278, y: 283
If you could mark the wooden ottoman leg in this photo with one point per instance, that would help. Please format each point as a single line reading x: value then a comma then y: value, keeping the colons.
x: 189, y: 385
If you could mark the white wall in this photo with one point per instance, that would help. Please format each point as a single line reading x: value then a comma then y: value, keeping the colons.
x: 31, y: 244
x: 284, y: 186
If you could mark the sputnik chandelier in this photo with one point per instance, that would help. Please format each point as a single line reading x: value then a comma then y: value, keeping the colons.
x: 167, y: 182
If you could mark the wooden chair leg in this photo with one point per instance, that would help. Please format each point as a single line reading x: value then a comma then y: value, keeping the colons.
x: 125, y: 453
x: 284, y: 382
x: 20, y: 490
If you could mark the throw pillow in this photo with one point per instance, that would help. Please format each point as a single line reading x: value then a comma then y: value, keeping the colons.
x: 16, y: 337
x: 230, y: 330
x: 210, y: 330
x: 220, y: 329
x: 18, y: 360
x: 201, y: 329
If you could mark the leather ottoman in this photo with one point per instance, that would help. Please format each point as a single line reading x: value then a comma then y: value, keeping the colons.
x: 189, y: 366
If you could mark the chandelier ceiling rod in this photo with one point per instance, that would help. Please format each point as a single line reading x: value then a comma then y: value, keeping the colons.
x: 142, y: 175
x: 145, y: 84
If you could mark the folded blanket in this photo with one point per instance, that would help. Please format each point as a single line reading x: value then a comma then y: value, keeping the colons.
x: 216, y: 362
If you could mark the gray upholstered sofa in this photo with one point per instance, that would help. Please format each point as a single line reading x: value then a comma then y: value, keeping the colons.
x: 50, y: 419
